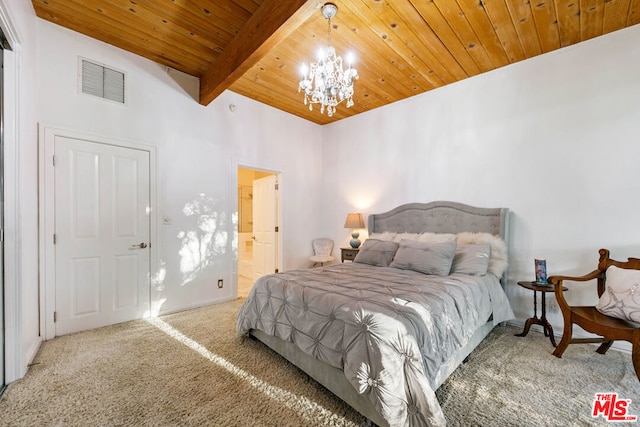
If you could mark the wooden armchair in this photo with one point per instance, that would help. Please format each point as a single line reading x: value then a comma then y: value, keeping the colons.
x: 587, y: 317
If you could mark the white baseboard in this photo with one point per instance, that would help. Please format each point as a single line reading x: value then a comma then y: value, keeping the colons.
x: 30, y: 356
x: 31, y: 353
x: 199, y: 305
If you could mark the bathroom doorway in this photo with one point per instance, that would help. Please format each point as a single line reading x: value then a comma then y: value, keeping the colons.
x: 250, y: 216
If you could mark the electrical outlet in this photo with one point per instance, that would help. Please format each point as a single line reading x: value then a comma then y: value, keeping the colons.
x: 220, y: 284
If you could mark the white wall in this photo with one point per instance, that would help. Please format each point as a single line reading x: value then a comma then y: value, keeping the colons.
x: 199, y: 151
x: 553, y: 138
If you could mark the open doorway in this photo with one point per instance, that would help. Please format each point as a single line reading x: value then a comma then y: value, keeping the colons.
x: 257, y: 226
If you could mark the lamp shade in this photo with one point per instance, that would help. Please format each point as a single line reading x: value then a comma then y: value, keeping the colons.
x: 354, y: 220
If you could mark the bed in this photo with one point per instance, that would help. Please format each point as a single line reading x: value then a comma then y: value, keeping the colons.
x: 383, y: 333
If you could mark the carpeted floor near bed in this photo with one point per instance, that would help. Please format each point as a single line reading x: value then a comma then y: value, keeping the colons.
x: 190, y: 369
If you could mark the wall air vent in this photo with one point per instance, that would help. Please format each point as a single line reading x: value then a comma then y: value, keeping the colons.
x: 101, y: 81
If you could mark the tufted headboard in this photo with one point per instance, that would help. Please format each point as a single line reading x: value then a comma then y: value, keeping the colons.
x: 441, y: 217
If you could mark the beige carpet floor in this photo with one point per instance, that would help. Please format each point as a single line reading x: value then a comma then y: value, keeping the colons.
x: 190, y: 369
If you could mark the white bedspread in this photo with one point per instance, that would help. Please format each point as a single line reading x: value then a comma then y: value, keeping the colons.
x: 389, y: 330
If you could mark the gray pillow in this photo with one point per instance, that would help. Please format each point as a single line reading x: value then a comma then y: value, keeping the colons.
x: 427, y: 258
x: 376, y: 252
x: 472, y: 259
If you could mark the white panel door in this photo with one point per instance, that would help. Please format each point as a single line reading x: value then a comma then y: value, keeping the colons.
x: 102, y: 234
x: 264, y: 226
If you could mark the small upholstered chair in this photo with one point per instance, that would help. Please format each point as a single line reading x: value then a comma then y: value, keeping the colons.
x: 322, y: 249
x: 614, y: 317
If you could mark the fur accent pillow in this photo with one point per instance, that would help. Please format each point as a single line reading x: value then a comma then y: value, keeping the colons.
x: 621, y: 297
x: 436, y: 237
x: 386, y: 236
x: 499, y: 259
x: 426, y: 237
x: 406, y: 236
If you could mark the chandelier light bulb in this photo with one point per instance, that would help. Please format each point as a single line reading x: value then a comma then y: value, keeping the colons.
x: 350, y: 58
x: 327, y: 83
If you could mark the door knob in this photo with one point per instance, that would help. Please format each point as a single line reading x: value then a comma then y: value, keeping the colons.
x: 140, y: 246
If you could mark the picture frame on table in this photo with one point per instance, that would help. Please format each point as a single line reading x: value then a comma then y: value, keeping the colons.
x: 541, y: 271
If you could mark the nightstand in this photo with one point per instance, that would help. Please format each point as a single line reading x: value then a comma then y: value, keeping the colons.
x: 349, y: 254
x: 543, y: 288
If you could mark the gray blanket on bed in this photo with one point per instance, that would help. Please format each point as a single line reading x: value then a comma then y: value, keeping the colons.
x: 389, y: 330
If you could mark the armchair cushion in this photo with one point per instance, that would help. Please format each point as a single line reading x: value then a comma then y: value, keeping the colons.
x: 621, y: 297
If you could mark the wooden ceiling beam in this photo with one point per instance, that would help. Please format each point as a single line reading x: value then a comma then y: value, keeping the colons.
x: 273, y: 22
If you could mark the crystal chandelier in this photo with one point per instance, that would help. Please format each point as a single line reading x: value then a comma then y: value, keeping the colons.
x: 325, y: 82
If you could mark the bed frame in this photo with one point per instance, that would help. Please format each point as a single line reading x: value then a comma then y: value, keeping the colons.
x: 435, y: 217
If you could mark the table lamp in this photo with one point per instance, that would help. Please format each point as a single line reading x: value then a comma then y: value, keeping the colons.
x: 354, y: 221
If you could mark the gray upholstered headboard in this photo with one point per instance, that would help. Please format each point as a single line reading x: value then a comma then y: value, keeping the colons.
x: 441, y: 217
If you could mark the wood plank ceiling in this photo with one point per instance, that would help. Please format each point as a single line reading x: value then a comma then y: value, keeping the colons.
x: 402, y: 47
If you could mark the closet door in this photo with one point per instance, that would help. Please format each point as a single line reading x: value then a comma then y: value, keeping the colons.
x: 2, y: 346
x: 102, y: 233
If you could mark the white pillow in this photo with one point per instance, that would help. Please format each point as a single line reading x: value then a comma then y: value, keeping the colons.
x: 436, y: 237
x: 406, y: 236
x: 499, y: 259
x: 621, y: 297
x: 386, y: 236
x: 418, y: 237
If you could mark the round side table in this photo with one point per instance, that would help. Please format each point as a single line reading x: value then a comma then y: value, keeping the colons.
x: 543, y: 288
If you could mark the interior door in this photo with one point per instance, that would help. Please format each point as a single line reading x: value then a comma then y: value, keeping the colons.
x: 265, y: 210
x: 101, y: 234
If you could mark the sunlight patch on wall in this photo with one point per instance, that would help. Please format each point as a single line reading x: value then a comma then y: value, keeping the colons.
x: 156, y: 306
x: 157, y: 279
x: 209, y: 239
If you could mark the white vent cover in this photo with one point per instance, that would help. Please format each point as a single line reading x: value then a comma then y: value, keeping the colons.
x: 101, y: 81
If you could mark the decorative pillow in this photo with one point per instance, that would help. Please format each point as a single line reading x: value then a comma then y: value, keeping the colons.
x: 436, y: 237
x: 427, y: 258
x: 406, y: 236
x: 621, y: 297
x: 499, y: 259
x: 376, y: 252
x: 472, y: 259
x: 386, y: 236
